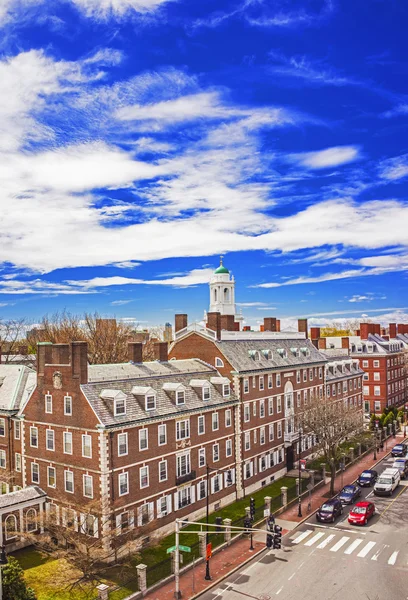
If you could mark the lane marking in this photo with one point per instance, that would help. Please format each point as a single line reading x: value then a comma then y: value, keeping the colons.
x: 302, y: 536
x: 289, y: 578
x: 377, y: 554
x: 279, y: 590
x: 333, y: 528
x: 314, y: 539
x: 353, y: 546
x: 393, y: 558
x: 339, y: 544
x: 369, y: 546
x: 391, y: 503
x: 327, y: 541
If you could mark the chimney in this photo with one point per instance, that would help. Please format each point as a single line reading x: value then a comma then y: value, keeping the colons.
x: 161, y: 351
x: 383, y: 331
x: 321, y: 343
x: 345, y: 342
x: 247, y: 328
x: 60, y: 354
x: 302, y: 326
x: 236, y: 326
x: 135, y: 352
x: 79, y: 361
x: 261, y: 327
x: 180, y: 322
x: 314, y: 333
x: 277, y: 324
x: 377, y: 329
x: 270, y: 324
x: 393, y: 330
x: 44, y: 350
x: 214, y: 323
x: 228, y: 322
x: 365, y: 329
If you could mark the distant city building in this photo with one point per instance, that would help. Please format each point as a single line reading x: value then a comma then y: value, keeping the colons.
x: 168, y: 333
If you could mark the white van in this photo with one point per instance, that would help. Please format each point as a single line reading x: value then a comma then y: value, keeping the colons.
x: 387, y: 482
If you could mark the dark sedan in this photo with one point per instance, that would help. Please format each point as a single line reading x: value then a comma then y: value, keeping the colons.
x: 367, y: 478
x: 399, y: 450
x: 329, y: 511
x: 349, y: 494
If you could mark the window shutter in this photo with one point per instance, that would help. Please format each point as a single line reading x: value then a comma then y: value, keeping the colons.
x: 151, y: 511
x: 82, y: 522
x: 139, y: 516
x: 169, y: 504
x: 212, y: 485
x: 131, y: 519
x: 75, y: 520
x: 158, y: 505
x: 64, y: 517
x: 118, y: 524
x: 96, y: 527
x: 192, y: 494
x: 47, y: 511
x: 176, y: 501
x: 57, y: 514
x: 233, y: 475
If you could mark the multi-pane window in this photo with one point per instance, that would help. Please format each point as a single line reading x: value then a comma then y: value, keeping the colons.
x: 262, y: 408
x: 270, y: 406
x: 120, y: 406
x: 304, y: 375
x: 271, y: 432
x: 376, y: 364
x: 320, y: 373
x: 143, y: 439
x: 2, y: 459
x: 228, y: 418
x: 305, y: 397
x: 88, y: 486
x: 247, y: 413
x: 215, y: 421
x: 261, y: 383
x: 376, y: 376
x: 122, y: 444
x: 163, y: 470
x: 297, y: 376
x: 69, y: 481
x: 50, y: 437
x: 182, y: 429
x: 255, y: 436
x: 279, y: 404
x: 33, y: 436
x: 228, y: 448
x: 67, y: 442
x: 151, y: 402
x: 278, y: 379
x: 226, y: 390
x: 162, y: 434
x: 18, y: 461
x: 87, y: 446
x: 254, y: 408
x: 279, y: 429
x: 377, y: 390
x: 246, y: 386
x: 17, y: 429
x: 123, y: 480
x: 51, y: 477
x: 201, y: 425
x: 183, y: 464
x: 247, y: 440
x: 35, y: 473
x: 202, y: 489
x: 201, y: 457
x: 270, y: 382
x: 298, y: 399
x: 216, y: 452
x: 68, y: 405
x: 310, y: 374
x: 48, y: 403
x: 206, y: 393
x: 180, y: 397
x: 262, y: 435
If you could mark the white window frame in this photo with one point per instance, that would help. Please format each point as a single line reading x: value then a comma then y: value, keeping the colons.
x: 48, y: 404
x: 185, y: 429
x: 49, y: 468
x: 206, y: 396
x: 201, y: 421
x: 246, y: 386
x: 261, y: 383
x: 247, y: 412
x: 3, y: 459
x: 124, y: 436
x: 67, y: 434
x: 228, y: 418
x: 17, y: 460
x: 228, y: 447
x: 34, y: 464
x: 86, y: 476
x: 119, y: 402
x: 270, y: 382
x: 163, y: 462
x: 66, y: 473
x: 125, y: 478
x: 262, y: 409
x: 52, y: 433
x: 226, y: 390
x: 215, y: 421
x: 17, y: 429
x: 149, y: 405
x: 164, y: 429
x: 143, y: 438
x: 180, y: 397
x: 270, y: 406
x: 32, y: 429
x: 86, y: 435
x: 68, y: 402
x: 216, y: 452
x: 201, y: 458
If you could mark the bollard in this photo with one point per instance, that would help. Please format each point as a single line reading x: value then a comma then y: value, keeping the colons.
x: 202, y: 539
x: 227, y: 530
x: 351, y: 453
x: 103, y: 591
x: 141, y: 578
x: 312, y: 477
x: 284, y: 493
x: 268, y: 501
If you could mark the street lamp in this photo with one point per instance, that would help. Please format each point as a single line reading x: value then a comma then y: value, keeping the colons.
x: 300, y: 473
x: 375, y: 444
x: 3, y: 562
x: 207, y: 537
x: 405, y: 421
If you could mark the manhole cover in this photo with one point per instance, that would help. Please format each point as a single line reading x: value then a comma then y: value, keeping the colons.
x: 264, y: 597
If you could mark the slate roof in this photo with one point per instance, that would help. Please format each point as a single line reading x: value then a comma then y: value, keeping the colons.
x: 334, y: 373
x: 32, y: 492
x: 165, y: 403
x: 147, y: 369
x: 238, y: 353
x: 16, y: 384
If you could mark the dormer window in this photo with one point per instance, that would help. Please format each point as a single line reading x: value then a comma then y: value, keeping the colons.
x: 267, y: 354
x: 282, y: 352
x: 150, y: 402
x: 305, y: 351
x: 180, y: 397
x: 120, y: 406
x: 226, y: 390
x: 295, y: 351
x: 206, y: 393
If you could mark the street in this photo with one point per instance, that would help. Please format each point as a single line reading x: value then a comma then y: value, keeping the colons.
x: 330, y: 562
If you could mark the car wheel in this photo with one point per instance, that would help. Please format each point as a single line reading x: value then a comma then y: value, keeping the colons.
x: 365, y: 522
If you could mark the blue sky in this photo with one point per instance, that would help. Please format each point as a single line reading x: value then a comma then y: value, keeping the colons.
x: 140, y: 139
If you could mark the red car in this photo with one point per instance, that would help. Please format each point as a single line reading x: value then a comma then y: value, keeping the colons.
x: 361, y: 513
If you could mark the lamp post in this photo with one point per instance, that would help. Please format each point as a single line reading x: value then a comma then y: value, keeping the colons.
x: 207, y: 514
x: 3, y: 562
x: 375, y: 444
x: 300, y: 473
x: 405, y: 421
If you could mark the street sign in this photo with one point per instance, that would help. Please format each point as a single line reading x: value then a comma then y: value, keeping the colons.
x: 185, y: 548
x: 309, y: 487
x: 266, y: 512
x: 170, y: 550
x: 208, y: 551
x: 302, y: 464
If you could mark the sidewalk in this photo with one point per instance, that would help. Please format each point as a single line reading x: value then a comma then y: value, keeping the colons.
x: 223, y: 563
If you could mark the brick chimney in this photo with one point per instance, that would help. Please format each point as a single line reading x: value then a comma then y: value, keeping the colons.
x: 314, y: 333
x: 393, y: 330
x: 214, y: 323
x: 180, y: 322
x: 376, y: 329
x: 345, y: 342
x: 321, y: 343
x: 161, y: 351
x: 44, y: 353
x: 236, y: 326
x: 365, y: 329
x: 247, y: 328
x: 302, y: 326
x: 270, y: 324
x: 135, y: 352
x: 60, y: 354
x: 79, y: 361
x: 277, y: 324
x: 228, y: 322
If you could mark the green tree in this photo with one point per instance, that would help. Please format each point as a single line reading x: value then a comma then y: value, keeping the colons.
x: 14, y: 585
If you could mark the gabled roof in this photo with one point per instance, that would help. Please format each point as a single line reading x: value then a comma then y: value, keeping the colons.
x: 16, y: 384
x: 131, y: 370
x: 27, y: 494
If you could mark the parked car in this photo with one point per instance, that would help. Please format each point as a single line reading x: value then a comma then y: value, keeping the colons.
x: 387, y: 482
x: 361, y: 513
x: 402, y: 465
x: 349, y: 494
x: 329, y: 511
x: 399, y: 450
x: 367, y: 478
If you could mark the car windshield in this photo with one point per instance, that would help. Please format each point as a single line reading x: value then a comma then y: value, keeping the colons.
x: 359, y: 510
x: 399, y: 461
x: 348, y: 490
x: 397, y: 448
x: 365, y: 475
x: 384, y: 480
x: 327, y: 508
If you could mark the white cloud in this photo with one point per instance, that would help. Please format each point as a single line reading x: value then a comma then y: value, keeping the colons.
x: 194, y: 277
x: 120, y: 302
x: 330, y: 157
x: 401, y: 109
x: 394, y: 169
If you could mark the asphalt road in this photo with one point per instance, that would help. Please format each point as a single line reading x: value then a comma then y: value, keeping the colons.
x: 333, y: 562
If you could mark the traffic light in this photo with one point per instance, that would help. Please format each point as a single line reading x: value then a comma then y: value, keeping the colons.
x: 247, y: 524
x: 269, y: 540
x: 218, y: 522
x: 277, y: 538
x: 252, y: 507
x: 270, y: 523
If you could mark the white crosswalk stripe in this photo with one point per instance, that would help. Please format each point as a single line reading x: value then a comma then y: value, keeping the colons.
x: 327, y: 541
x: 315, y: 538
x: 302, y: 536
x: 353, y: 546
x: 364, y: 551
x: 339, y: 544
x: 393, y: 558
x: 378, y: 552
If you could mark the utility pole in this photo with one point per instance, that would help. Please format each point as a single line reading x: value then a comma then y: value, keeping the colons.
x: 300, y: 474
x: 177, y: 593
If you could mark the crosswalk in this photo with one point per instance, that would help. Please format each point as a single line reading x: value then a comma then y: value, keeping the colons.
x: 359, y: 547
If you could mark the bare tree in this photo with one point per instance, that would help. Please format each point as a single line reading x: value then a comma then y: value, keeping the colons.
x: 331, y: 422
x: 13, y: 340
x: 155, y: 335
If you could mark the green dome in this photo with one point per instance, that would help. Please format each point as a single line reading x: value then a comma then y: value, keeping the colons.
x: 221, y: 269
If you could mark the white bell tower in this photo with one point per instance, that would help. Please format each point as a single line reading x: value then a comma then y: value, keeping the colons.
x: 222, y: 291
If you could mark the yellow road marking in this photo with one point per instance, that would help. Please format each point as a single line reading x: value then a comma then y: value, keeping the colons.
x: 391, y: 503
